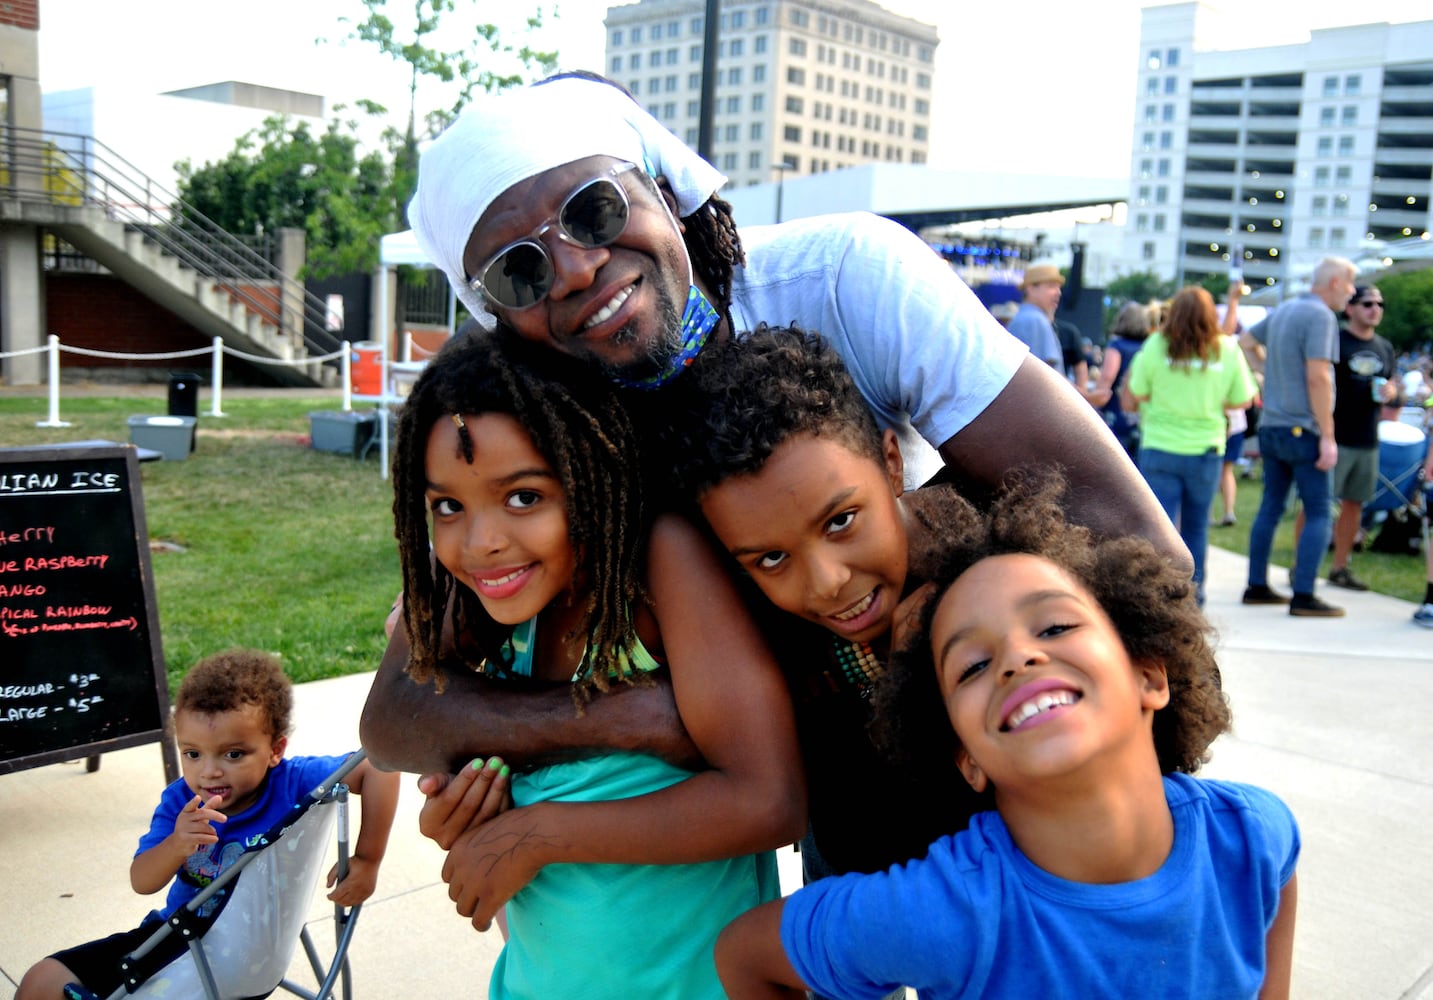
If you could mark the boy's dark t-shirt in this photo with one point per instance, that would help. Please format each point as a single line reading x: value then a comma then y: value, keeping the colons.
x: 866, y: 813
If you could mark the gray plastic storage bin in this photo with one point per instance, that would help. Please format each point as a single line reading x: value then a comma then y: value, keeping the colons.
x: 172, y: 437
x: 346, y: 432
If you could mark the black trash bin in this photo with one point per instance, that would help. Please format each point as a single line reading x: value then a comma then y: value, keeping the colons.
x: 183, y: 394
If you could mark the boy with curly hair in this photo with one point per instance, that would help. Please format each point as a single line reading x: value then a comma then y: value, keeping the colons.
x: 232, y: 717
x: 800, y: 486
x: 1073, y: 684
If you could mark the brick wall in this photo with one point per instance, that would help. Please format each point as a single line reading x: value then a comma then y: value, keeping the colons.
x: 102, y: 313
x: 21, y: 13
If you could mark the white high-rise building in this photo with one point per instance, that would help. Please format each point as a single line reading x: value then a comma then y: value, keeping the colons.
x: 815, y: 85
x: 1276, y: 157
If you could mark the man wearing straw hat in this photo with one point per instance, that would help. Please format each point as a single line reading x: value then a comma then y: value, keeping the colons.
x: 1033, y: 324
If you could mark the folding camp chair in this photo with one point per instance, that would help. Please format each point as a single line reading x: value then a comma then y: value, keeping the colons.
x: 243, y: 950
x: 1401, y: 449
x: 1397, y: 508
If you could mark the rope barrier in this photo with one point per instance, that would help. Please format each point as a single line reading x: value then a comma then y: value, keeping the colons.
x: 162, y: 356
x: 21, y: 353
x: 217, y: 350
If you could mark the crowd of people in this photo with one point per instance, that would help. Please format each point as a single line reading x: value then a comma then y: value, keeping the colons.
x: 717, y: 538
x: 1311, y: 383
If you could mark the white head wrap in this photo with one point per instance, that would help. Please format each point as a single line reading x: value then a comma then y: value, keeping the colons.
x: 501, y: 139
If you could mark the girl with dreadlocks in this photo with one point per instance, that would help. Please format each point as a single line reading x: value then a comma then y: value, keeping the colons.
x: 546, y: 568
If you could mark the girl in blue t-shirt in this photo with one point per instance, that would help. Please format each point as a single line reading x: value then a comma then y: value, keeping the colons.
x: 545, y: 566
x: 1073, y: 683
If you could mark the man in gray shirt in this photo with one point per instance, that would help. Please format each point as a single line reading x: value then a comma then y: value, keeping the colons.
x: 1296, y: 433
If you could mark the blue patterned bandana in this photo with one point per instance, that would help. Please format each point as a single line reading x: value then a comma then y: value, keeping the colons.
x: 698, y: 321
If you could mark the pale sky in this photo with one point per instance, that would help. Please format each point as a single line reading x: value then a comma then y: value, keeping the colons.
x: 1034, y: 85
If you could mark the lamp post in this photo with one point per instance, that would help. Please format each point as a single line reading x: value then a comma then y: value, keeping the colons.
x: 781, y: 169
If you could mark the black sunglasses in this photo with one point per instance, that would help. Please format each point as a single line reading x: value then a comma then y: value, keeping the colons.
x: 519, y: 275
x: 1370, y: 302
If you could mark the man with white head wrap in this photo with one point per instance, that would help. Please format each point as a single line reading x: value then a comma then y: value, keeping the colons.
x: 639, y: 299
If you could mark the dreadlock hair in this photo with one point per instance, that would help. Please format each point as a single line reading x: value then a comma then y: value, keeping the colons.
x: 715, y: 249
x: 582, y: 429
x: 228, y: 680
x: 745, y: 396
x: 1150, y: 602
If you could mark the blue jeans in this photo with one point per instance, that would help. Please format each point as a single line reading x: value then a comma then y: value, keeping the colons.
x: 1289, y: 460
x: 1185, y: 485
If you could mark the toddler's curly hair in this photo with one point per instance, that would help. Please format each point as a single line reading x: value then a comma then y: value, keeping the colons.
x: 1150, y: 602
x: 229, y: 680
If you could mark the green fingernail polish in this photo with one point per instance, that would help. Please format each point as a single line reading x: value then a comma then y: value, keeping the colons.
x: 477, y: 764
x: 494, y: 764
x: 504, y: 772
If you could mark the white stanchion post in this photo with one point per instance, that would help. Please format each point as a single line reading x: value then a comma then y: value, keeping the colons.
x: 54, y: 358
x: 345, y: 371
x: 216, y: 379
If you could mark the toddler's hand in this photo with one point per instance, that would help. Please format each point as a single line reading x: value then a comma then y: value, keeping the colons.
x: 466, y: 800
x: 194, y: 826
x: 357, y: 885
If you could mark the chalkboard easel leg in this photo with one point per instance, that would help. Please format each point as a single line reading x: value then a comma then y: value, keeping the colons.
x: 171, y: 758
x: 92, y: 764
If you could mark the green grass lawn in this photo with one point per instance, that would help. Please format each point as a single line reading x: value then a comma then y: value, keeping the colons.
x: 271, y: 544
x: 1396, y: 575
x: 288, y: 549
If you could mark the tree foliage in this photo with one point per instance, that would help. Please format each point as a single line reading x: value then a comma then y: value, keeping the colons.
x: 1408, y: 308
x: 282, y: 174
x: 449, y: 76
x: 1138, y: 286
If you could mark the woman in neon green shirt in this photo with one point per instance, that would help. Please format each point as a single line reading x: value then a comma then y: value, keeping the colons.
x: 1183, y: 380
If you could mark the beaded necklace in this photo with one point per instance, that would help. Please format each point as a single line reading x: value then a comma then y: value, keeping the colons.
x: 857, y: 666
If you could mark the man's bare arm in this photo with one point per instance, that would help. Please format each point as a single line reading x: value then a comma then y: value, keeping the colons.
x: 1039, y: 419
x: 410, y: 727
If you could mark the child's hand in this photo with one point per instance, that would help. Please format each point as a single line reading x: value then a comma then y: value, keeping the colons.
x: 193, y: 827
x: 357, y: 885
x: 488, y: 864
x: 906, y: 620
x: 395, y: 615
x: 466, y: 800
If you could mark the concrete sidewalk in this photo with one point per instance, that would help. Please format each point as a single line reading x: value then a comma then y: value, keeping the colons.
x: 1330, y: 714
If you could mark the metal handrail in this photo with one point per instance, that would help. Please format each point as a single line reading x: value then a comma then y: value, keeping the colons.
x: 60, y: 168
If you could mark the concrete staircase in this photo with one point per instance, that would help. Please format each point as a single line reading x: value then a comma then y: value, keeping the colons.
x: 85, y: 195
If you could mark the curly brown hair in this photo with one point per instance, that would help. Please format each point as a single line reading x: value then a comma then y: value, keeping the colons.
x: 229, y: 680
x: 746, y: 396
x: 581, y: 427
x: 1149, y: 601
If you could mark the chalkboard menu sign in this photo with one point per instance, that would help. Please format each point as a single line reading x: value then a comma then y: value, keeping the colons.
x: 81, y: 670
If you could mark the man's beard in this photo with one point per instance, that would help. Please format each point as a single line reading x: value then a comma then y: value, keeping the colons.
x: 659, y: 355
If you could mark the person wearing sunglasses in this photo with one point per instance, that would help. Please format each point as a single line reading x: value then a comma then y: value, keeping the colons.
x: 572, y: 217
x: 1364, y: 383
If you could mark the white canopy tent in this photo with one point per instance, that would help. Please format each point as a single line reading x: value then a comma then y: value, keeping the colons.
x: 394, y: 250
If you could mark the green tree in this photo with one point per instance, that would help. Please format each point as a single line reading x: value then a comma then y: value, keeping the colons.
x: 473, y: 62
x: 282, y: 175
x: 1217, y: 285
x: 1138, y: 286
x: 1408, y: 311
